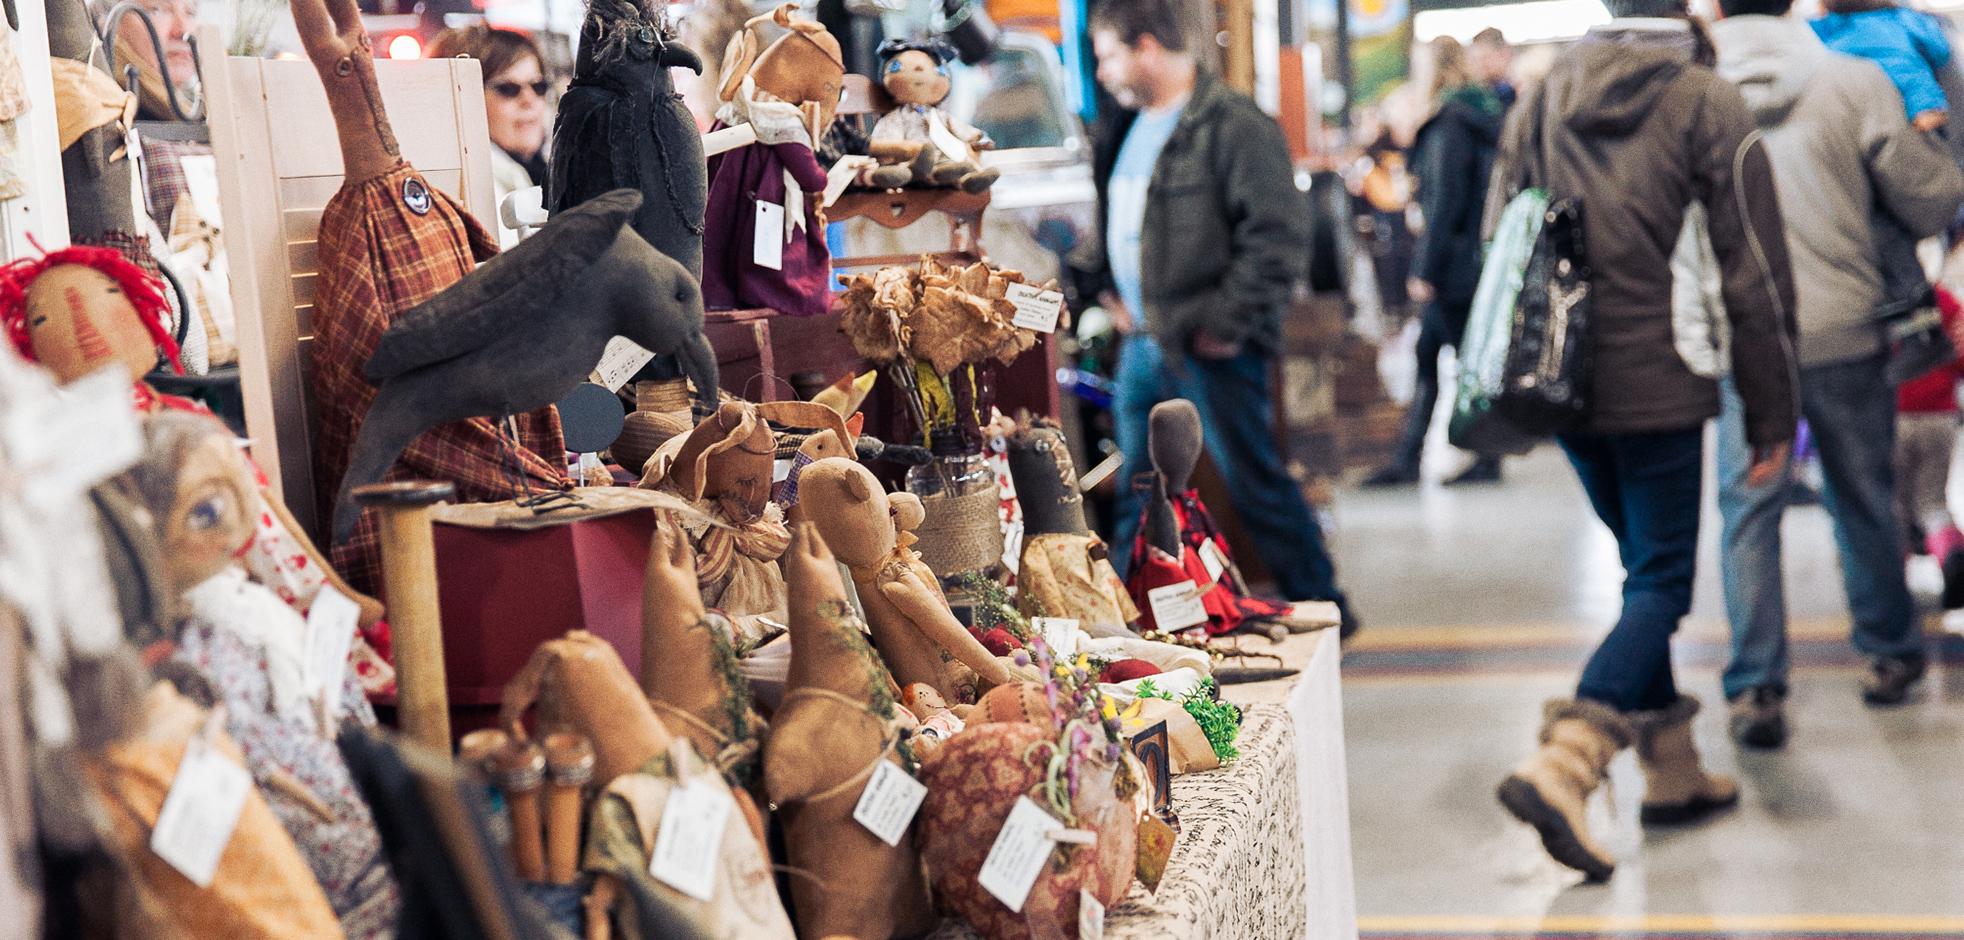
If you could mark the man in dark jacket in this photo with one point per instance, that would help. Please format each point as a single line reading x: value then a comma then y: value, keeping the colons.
x: 1205, y: 238
x: 1452, y: 158
x: 1633, y: 123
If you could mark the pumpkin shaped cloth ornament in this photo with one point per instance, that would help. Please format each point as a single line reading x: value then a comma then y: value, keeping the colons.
x: 916, y: 632
x: 249, y: 648
x: 837, y: 725
x: 1070, y: 763
x: 787, y: 94
x: 261, y: 888
x: 724, y: 468
x: 689, y: 666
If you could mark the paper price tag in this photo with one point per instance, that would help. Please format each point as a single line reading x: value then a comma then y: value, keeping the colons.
x: 794, y: 206
x: 330, y: 631
x: 1017, y: 858
x: 1059, y: 633
x: 843, y: 174
x: 1012, y: 547
x: 781, y: 470
x: 1036, y: 309
x: 200, y: 812
x: 622, y: 358
x: 767, y: 248
x: 1090, y: 917
x: 952, y: 148
x: 1177, y: 606
x: 689, y: 844
x: 888, y: 804
x: 1213, y: 560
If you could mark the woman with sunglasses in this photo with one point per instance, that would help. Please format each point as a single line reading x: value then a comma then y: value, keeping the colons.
x: 515, y: 89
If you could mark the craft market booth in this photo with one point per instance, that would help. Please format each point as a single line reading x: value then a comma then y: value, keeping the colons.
x: 659, y: 575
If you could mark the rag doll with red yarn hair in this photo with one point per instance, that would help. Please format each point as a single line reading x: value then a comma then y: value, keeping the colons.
x: 80, y: 310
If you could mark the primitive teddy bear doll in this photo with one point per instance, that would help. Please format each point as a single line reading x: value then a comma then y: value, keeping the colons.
x: 252, y: 651
x: 783, y: 93
x: 917, y: 143
x: 915, y: 631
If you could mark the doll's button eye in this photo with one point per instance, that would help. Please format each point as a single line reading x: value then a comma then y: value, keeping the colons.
x: 205, y: 515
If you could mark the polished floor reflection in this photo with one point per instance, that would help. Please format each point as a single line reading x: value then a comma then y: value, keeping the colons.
x: 1482, y: 602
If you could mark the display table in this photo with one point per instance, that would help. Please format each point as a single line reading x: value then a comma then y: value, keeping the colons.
x: 1264, y: 847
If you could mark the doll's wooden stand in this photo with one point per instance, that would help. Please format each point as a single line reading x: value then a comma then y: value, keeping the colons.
x: 279, y: 161
x: 900, y: 208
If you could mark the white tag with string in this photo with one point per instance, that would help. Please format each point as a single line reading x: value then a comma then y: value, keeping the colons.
x: 767, y: 248
x: 330, y: 632
x: 1212, y: 559
x: 1090, y: 917
x: 943, y: 138
x: 622, y: 358
x: 888, y: 804
x: 689, y: 844
x: 1017, y: 857
x: 1059, y: 633
x: 1176, y: 606
x: 1036, y: 309
x: 202, y: 808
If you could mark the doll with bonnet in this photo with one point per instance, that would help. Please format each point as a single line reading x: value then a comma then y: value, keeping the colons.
x: 79, y: 310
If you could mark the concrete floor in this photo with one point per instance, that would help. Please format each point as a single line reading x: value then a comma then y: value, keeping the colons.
x: 1481, y: 603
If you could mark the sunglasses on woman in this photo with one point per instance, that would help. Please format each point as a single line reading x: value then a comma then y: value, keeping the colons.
x: 514, y: 89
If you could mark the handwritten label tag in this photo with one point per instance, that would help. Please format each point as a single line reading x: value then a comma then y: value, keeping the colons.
x: 1012, y: 547
x: 200, y: 812
x: 952, y: 148
x: 1036, y: 309
x: 843, y: 174
x: 689, y: 845
x: 888, y: 804
x: 330, y: 631
x: 1177, y: 606
x: 767, y: 248
x: 1090, y: 917
x: 1017, y: 858
x: 1211, y: 558
x: 1059, y: 633
x: 622, y: 358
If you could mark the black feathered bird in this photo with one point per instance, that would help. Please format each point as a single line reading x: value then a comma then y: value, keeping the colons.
x: 621, y: 125
x: 520, y: 332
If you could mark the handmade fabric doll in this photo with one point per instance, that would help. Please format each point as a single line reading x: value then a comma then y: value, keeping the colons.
x: 724, y: 468
x: 251, y: 650
x: 837, y: 725
x: 1175, y: 442
x: 262, y: 887
x: 783, y: 94
x: 389, y: 241
x: 689, y: 666
x: 1065, y: 569
x: 621, y: 125
x: 872, y: 533
x: 82, y: 309
x: 918, y: 143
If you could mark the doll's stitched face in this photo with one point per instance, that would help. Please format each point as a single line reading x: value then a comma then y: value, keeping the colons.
x: 209, y: 523
x: 915, y: 77
x: 803, y: 70
x: 740, y: 478
x: 79, y: 320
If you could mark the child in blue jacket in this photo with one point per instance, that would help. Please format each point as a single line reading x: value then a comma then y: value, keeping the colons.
x: 1913, y: 50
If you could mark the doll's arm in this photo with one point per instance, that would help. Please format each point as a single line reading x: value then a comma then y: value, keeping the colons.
x: 917, y: 602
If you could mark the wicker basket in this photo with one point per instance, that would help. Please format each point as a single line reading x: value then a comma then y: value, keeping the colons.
x: 961, y: 533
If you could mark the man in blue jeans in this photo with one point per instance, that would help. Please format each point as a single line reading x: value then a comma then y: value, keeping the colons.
x: 1205, y: 237
x: 1839, y: 158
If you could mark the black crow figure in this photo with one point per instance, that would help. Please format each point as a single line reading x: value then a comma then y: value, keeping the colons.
x: 520, y: 332
x: 621, y: 125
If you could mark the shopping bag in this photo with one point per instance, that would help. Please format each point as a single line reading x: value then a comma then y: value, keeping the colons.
x: 1524, y: 372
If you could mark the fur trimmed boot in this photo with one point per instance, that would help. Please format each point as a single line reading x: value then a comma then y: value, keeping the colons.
x: 1550, y: 791
x: 1677, y: 788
